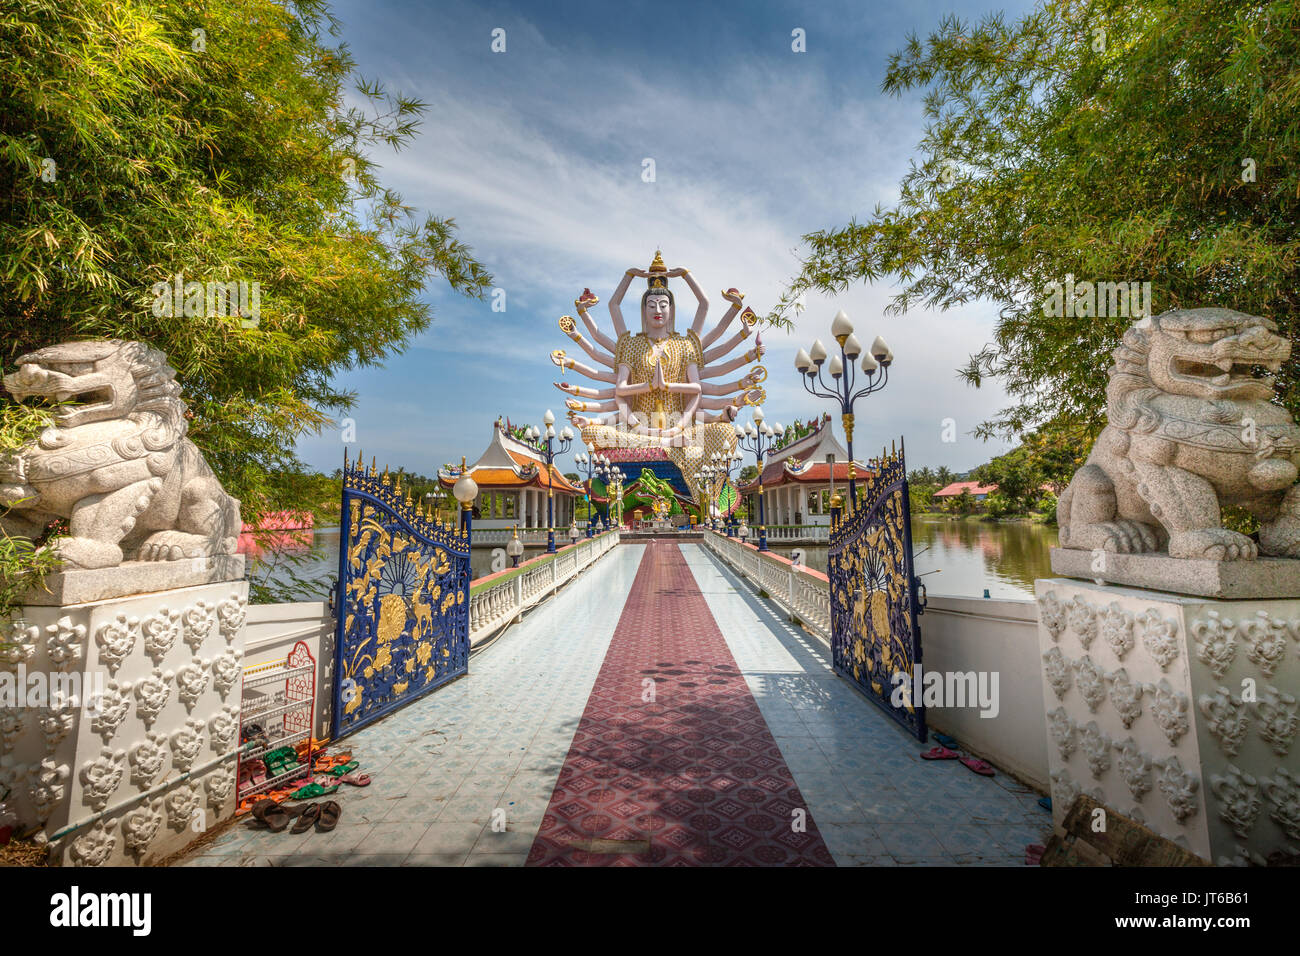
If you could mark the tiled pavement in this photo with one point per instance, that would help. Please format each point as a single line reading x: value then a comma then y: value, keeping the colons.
x: 672, y: 764
x: 498, y: 739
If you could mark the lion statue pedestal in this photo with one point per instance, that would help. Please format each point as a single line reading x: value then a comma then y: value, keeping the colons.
x: 1170, y: 646
x: 139, y: 638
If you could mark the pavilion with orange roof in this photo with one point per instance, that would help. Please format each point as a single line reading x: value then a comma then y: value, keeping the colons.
x: 513, y: 482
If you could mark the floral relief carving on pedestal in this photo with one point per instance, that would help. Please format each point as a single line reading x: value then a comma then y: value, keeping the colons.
x: 110, y: 709
x: 1082, y: 617
x: 1266, y: 641
x: 1215, y: 638
x: 191, y: 682
x: 181, y: 804
x: 1096, y: 749
x: 230, y: 616
x: 1237, y: 793
x: 161, y: 631
x: 1276, y: 719
x: 1052, y: 614
x: 1091, y: 681
x: 226, y: 672
x: 151, y: 695
x: 1169, y: 710
x: 100, y: 777
x: 116, y: 640
x: 65, y: 643
x: 220, y: 784
x: 1064, y: 789
x: 186, y: 744
x: 13, y: 720
x: 1159, y: 636
x: 1062, y: 731
x: 47, y: 786
x: 56, y: 720
x: 19, y: 647
x: 147, y: 760
x: 1117, y: 629
x: 1056, y: 668
x: 141, y: 825
x: 94, y: 846
x: 1225, y: 719
x: 1283, y: 793
x: 223, y: 727
x: 1134, y: 768
x: 1179, y: 788
x: 1125, y: 696
x: 197, y: 622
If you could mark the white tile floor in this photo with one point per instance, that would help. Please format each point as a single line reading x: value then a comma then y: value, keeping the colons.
x: 496, y: 741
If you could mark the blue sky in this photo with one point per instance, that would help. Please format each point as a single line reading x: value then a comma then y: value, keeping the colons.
x: 537, y: 153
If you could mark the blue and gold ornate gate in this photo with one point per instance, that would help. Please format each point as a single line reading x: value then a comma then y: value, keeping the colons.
x: 875, y: 639
x: 403, y: 600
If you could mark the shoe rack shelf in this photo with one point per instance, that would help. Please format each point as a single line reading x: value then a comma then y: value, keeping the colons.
x: 280, y: 698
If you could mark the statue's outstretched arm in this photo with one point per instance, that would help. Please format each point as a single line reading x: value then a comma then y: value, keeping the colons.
x: 583, y: 303
x: 615, y: 303
x: 701, y: 310
x: 746, y: 327
x: 576, y: 406
x: 570, y: 328
x: 583, y: 392
x: 728, y: 414
x: 563, y: 361
x: 734, y: 296
x: 754, y: 376
x: 753, y: 355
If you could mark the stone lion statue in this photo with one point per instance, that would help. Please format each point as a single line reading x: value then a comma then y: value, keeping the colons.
x: 1191, y: 428
x: 116, y: 463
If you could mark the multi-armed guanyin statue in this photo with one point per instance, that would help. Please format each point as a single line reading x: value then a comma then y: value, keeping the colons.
x: 659, y: 400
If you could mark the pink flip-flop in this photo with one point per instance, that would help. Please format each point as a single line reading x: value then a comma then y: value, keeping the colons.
x: 979, y: 766
x: 940, y: 753
x: 356, y: 779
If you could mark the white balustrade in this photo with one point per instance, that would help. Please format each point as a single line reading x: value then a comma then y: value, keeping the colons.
x: 803, y: 595
x: 491, y: 608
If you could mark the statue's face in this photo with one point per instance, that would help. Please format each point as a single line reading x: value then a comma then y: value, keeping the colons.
x: 657, y: 315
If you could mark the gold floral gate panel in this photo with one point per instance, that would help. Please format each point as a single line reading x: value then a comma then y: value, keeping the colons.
x: 875, y: 638
x: 403, y: 600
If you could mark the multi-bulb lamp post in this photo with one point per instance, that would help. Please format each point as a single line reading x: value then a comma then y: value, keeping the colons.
x: 545, y: 442
x: 712, y: 477
x: 875, y: 366
x: 592, y: 466
x: 757, y: 436
x: 616, y: 492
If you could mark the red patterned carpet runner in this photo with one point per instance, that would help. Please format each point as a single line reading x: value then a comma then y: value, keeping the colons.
x: 690, y: 778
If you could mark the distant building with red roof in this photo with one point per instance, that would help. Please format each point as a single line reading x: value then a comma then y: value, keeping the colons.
x: 974, y: 488
x: 797, y: 478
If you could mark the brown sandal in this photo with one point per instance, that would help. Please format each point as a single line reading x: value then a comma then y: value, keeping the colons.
x: 329, y: 816
x: 308, y: 817
x: 272, y: 814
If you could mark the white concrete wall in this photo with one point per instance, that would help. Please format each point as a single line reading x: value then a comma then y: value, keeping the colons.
x: 272, y: 630
x: 972, y: 634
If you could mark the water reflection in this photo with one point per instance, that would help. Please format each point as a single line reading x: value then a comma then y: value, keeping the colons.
x: 313, y: 558
x: 958, y: 558
x: 963, y: 558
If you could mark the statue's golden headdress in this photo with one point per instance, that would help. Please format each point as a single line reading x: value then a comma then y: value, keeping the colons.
x: 658, y: 280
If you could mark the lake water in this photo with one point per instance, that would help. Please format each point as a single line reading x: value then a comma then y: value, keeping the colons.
x: 957, y: 558
x: 964, y: 558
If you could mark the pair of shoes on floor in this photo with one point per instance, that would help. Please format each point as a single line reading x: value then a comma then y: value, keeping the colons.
x: 974, y: 764
x: 324, y: 816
